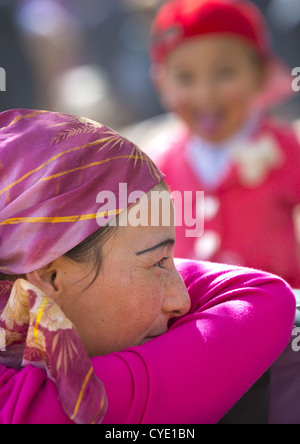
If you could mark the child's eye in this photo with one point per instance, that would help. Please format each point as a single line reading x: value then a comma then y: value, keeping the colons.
x: 160, y: 264
x: 185, y: 79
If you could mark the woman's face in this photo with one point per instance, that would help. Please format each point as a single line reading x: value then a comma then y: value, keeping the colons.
x: 137, y: 291
x: 211, y: 82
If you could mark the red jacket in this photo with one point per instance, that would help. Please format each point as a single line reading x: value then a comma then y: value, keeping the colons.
x: 249, y: 216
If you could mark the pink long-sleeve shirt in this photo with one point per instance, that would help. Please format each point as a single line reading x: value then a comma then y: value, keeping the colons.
x: 239, y: 323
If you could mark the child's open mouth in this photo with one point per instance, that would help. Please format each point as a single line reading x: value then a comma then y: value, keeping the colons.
x: 210, y: 123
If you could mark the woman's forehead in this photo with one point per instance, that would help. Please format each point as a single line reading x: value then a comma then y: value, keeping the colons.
x: 148, y: 223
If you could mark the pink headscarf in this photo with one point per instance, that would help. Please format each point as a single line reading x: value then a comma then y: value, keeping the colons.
x: 52, y: 167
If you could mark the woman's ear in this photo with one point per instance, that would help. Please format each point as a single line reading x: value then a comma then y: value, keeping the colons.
x: 45, y: 280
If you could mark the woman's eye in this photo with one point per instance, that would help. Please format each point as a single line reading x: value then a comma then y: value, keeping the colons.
x: 161, y: 263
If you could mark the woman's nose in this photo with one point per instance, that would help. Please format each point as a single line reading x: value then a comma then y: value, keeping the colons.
x: 177, y: 300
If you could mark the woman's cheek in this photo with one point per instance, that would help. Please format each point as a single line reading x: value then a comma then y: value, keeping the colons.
x: 152, y: 294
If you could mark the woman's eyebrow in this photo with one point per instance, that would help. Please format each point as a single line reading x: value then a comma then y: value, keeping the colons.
x: 156, y: 247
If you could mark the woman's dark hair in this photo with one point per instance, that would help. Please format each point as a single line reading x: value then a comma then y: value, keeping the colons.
x: 90, y: 250
x: 4, y: 277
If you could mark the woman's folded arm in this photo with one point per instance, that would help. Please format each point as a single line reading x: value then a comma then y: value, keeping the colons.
x: 239, y: 323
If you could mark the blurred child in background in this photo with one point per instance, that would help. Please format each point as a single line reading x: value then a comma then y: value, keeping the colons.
x: 214, y: 67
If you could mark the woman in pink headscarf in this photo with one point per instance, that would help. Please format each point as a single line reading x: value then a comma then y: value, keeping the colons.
x: 97, y: 322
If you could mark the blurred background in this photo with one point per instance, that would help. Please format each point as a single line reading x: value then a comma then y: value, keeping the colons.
x: 89, y: 57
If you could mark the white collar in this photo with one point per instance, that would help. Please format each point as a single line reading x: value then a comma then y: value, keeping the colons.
x: 211, y: 162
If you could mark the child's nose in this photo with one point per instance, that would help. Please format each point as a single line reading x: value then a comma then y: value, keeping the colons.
x: 204, y: 93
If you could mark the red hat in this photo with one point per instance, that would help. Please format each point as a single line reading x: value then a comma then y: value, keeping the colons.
x: 179, y: 20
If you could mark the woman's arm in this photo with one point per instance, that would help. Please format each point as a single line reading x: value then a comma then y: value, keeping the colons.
x: 29, y: 397
x: 239, y: 323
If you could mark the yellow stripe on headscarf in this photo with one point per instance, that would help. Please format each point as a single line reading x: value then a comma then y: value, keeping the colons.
x: 57, y: 220
x: 79, y: 400
x: 90, y: 165
x: 41, y: 311
x: 53, y: 159
x: 21, y: 117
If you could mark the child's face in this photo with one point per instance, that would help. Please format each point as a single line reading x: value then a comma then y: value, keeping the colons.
x: 211, y: 82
